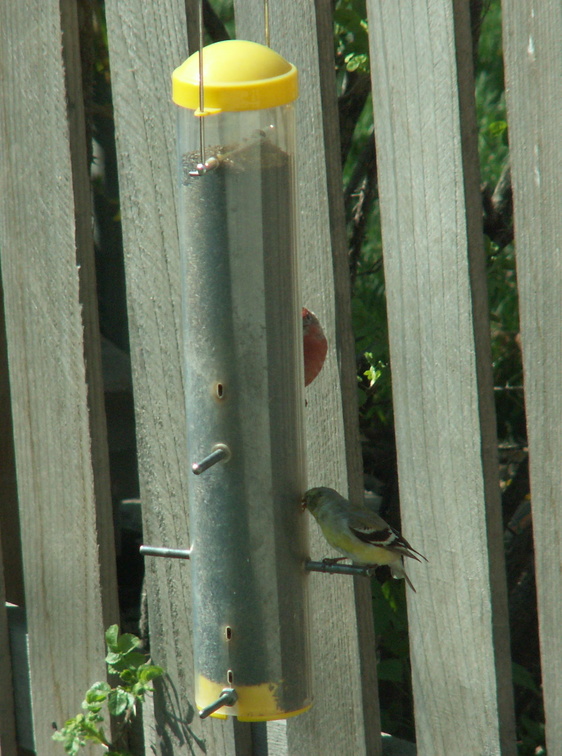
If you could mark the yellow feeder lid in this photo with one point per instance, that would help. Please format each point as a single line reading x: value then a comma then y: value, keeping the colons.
x: 237, y: 75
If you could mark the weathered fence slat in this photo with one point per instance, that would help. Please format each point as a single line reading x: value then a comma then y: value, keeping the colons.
x: 9, y: 516
x: 85, y: 262
x: 7, y: 714
x: 147, y: 41
x: 441, y: 367
x: 43, y: 215
x: 533, y: 61
x: 344, y: 718
x: 10, y: 552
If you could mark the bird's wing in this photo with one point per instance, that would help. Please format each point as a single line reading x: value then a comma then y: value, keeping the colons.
x: 370, y: 528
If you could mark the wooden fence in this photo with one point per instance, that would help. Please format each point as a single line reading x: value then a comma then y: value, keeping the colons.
x: 55, y: 486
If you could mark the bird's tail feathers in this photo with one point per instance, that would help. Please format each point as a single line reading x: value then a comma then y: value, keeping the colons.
x: 398, y: 572
x: 404, y: 548
x: 413, y: 554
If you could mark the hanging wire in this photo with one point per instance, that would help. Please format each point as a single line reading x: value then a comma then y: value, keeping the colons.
x: 204, y: 165
x: 266, y: 21
x: 201, y: 86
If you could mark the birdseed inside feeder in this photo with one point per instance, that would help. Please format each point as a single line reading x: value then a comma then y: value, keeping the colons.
x: 244, y: 381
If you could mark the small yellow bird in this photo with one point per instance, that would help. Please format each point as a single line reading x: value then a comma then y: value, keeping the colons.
x: 359, y: 534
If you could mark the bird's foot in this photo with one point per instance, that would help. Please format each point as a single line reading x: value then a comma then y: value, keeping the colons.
x: 332, y: 560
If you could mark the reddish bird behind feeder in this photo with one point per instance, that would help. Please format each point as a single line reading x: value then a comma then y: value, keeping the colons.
x: 315, y: 345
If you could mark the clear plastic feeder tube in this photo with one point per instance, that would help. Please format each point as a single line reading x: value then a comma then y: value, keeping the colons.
x: 244, y: 388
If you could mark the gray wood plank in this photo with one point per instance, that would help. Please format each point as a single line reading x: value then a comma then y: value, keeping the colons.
x: 147, y: 41
x: 9, y: 515
x: 85, y: 261
x: 343, y: 648
x: 533, y: 58
x: 39, y: 214
x: 10, y: 551
x: 7, y: 713
x: 441, y: 368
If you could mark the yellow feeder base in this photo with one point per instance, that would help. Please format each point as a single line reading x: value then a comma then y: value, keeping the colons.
x: 256, y: 703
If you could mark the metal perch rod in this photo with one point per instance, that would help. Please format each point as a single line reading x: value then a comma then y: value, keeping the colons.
x: 161, y: 551
x: 340, y: 569
x: 310, y: 566
x: 228, y: 697
x: 219, y: 453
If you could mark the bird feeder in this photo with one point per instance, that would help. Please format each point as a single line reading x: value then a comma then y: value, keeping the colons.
x: 244, y: 381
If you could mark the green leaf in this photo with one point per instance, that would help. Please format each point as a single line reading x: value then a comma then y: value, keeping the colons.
x: 111, y: 636
x: 119, y: 701
x: 72, y: 742
x: 127, y: 642
x: 150, y: 672
x: 77, y: 731
x: 391, y: 669
x: 497, y: 128
x: 383, y: 614
x: 135, y: 659
x: 129, y: 676
x: 346, y: 18
x: 138, y: 690
x: 523, y: 678
x: 357, y: 62
x: 533, y: 731
x: 96, y: 694
x: 121, y: 663
x: 91, y: 731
